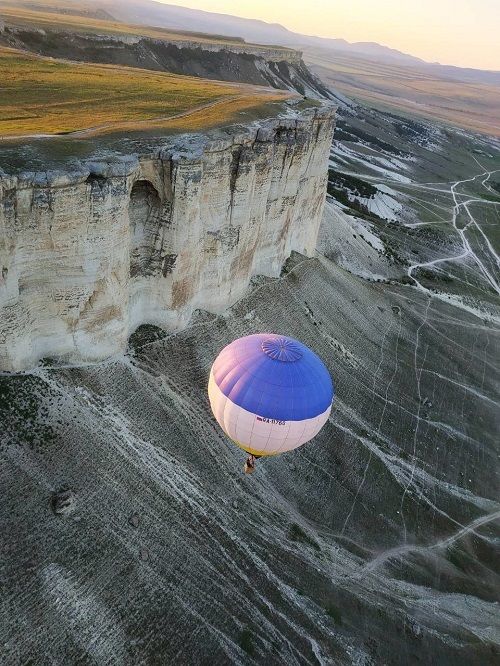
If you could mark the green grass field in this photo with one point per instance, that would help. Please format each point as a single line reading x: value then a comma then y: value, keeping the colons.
x: 46, y: 96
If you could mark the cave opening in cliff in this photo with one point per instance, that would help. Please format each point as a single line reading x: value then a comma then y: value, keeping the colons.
x: 98, y: 186
x: 145, y: 240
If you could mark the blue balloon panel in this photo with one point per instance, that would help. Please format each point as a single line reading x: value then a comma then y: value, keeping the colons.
x: 275, y: 377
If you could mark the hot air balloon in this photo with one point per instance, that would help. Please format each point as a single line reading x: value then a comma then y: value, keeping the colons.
x: 269, y: 393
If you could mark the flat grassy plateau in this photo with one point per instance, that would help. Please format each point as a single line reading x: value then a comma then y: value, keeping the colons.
x: 46, y: 96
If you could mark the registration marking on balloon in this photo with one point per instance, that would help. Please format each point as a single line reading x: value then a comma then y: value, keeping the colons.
x: 269, y: 393
x: 274, y: 421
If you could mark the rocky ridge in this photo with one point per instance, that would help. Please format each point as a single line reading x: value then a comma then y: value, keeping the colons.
x: 278, y: 67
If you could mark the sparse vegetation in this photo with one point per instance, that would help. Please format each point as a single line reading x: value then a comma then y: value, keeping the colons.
x: 246, y: 641
x: 355, y: 206
x: 342, y: 187
x: 296, y: 533
x: 23, y: 412
x: 360, y: 188
x: 349, y: 132
x: 333, y: 612
x: 145, y: 335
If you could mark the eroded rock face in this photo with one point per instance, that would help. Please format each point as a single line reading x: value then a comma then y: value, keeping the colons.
x: 88, y: 255
x: 145, y: 230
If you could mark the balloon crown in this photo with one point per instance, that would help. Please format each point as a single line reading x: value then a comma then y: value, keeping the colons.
x: 281, y: 349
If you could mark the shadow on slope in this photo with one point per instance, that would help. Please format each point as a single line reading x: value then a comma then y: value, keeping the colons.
x: 168, y: 549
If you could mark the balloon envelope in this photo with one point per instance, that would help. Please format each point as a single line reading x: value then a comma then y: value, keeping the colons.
x: 269, y: 393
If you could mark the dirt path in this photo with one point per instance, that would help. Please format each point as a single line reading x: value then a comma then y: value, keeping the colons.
x: 404, y: 550
x: 182, y: 114
x: 467, y: 249
x: 137, y: 124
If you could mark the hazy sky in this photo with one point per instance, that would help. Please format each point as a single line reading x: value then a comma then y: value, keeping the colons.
x: 455, y: 32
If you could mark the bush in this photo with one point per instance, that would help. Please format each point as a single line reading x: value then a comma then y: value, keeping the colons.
x: 357, y: 186
x: 333, y: 612
x: 296, y: 533
x: 246, y: 641
x: 348, y: 132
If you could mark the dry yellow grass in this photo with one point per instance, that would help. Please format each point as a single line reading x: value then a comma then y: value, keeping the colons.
x: 46, y: 96
x: 239, y: 107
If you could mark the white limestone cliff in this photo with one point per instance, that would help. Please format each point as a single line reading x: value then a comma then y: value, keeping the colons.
x: 89, y: 254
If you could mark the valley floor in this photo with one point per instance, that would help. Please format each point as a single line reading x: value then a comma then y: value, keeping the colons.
x: 421, y: 92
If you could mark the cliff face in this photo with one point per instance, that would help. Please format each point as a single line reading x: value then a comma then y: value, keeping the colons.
x: 88, y: 255
x: 40, y: 39
x: 279, y: 67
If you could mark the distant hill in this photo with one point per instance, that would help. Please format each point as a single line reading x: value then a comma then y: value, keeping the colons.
x: 151, y: 13
x: 183, y: 18
x: 253, y: 30
x: 366, y: 72
x: 448, y: 95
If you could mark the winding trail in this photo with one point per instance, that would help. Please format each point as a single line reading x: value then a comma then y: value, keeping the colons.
x: 443, y: 543
x: 132, y: 125
x: 467, y: 249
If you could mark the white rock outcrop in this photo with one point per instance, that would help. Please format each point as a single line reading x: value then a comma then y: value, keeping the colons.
x: 88, y: 255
